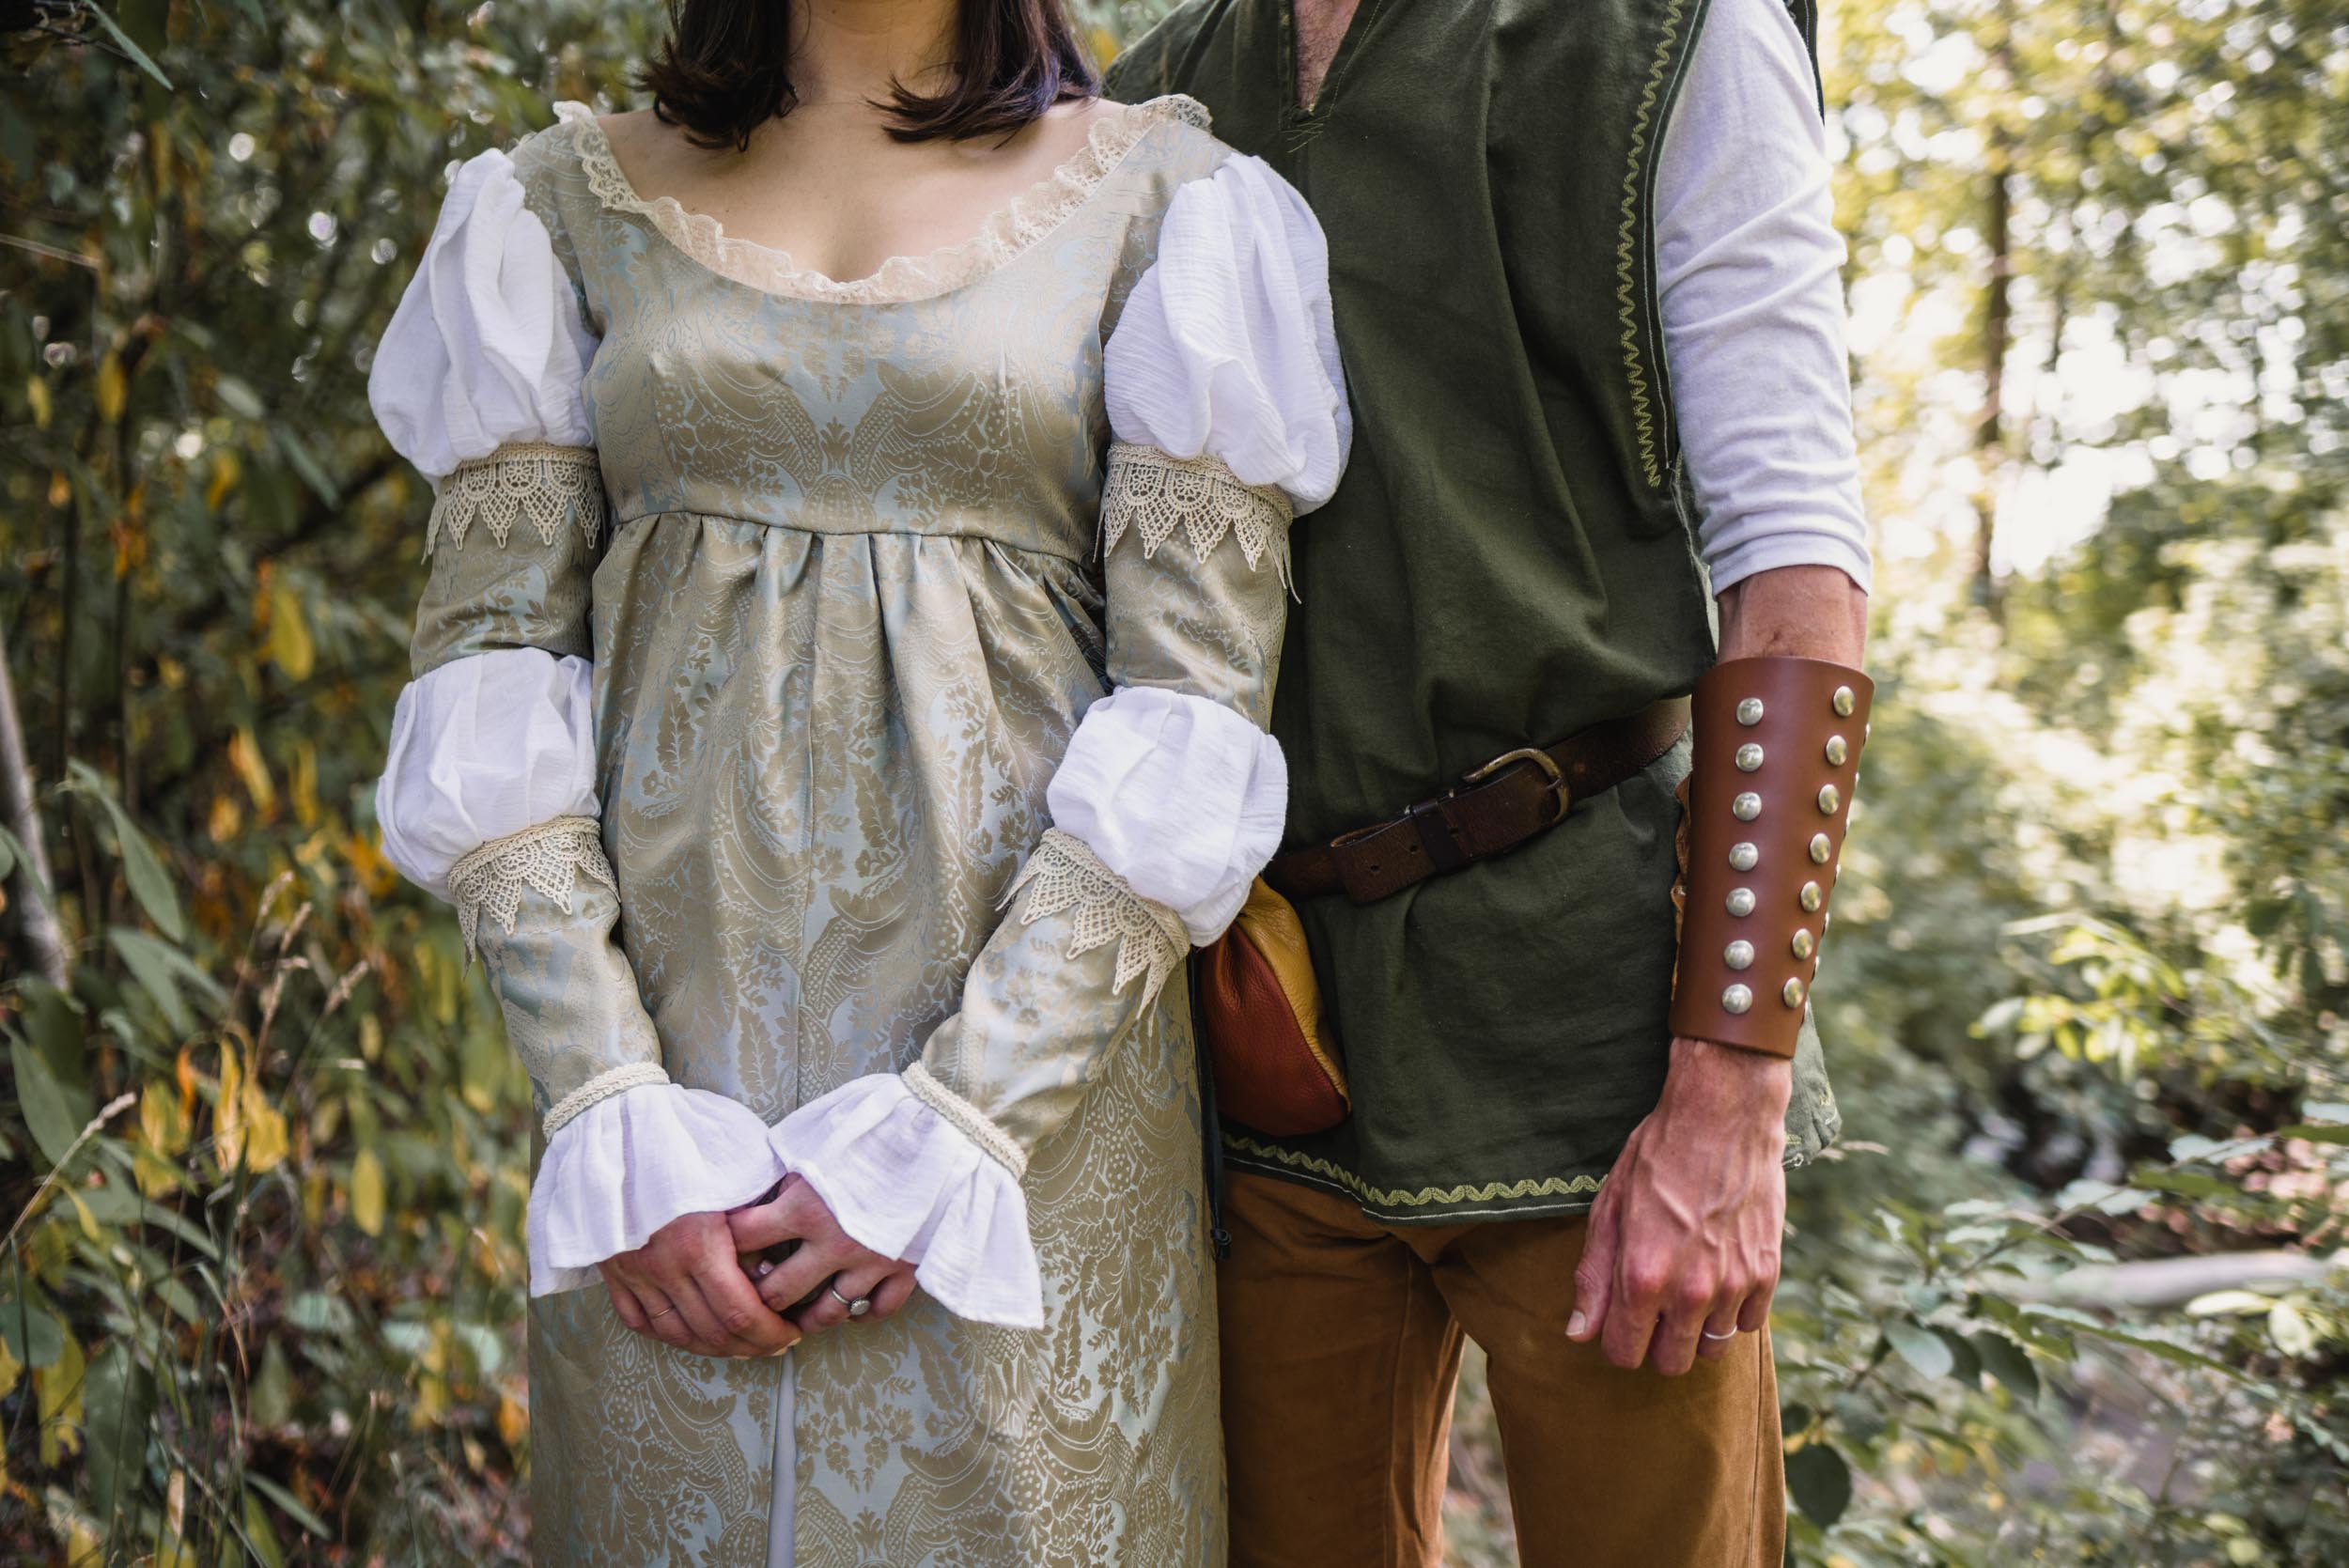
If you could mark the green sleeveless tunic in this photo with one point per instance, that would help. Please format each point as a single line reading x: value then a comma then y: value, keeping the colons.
x: 1512, y: 557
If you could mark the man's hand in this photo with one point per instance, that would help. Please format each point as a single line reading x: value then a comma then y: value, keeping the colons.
x: 826, y: 1256
x: 1684, y: 1238
x: 686, y: 1288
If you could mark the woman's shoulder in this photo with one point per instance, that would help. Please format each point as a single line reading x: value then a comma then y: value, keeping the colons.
x: 1166, y: 142
x: 562, y: 154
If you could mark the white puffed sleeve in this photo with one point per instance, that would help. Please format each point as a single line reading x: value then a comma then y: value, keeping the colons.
x: 482, y: 747
x: 1225, y: 348
x: 1178, y: 795
x: 489, y: 345
x: 487, y: 798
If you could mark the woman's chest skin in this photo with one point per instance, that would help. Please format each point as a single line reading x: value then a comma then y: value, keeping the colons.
x: 831, y: 189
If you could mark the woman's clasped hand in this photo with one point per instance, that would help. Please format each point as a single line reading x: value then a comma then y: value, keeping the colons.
x: 756, y: 1281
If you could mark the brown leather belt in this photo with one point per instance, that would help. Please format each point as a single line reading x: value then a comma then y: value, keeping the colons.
x: 1518, y: 796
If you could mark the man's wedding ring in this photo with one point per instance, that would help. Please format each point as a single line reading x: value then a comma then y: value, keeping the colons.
x: 856, y: 1308
x: 662, y: 1313
x: 1710, y: 1335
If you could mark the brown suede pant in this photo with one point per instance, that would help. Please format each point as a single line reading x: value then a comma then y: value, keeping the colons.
x: 1342, y: 1342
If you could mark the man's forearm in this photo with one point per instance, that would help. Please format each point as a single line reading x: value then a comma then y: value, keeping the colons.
x: 1806, y: 611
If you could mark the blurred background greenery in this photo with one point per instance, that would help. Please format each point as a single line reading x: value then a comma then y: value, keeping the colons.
x: 2068, y: 1293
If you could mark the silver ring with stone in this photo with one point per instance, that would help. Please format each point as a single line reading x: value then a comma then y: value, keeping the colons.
x: 856, y: 1308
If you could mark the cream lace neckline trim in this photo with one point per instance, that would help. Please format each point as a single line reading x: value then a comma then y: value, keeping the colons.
x: 1007, y: 231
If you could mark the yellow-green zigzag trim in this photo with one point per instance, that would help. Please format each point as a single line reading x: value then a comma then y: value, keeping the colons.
x: 1642, y: 415
x: 1545, y: 1187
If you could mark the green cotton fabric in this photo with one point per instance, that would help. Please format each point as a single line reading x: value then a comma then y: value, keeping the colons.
x: 1510, y: 559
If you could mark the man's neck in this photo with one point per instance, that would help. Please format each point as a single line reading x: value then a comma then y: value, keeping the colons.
x: 1320, y: 26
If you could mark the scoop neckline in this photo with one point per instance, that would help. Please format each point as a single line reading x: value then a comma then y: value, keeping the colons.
x: 1002, y: 235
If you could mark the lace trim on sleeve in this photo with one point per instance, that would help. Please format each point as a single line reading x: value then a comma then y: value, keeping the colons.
x: 1153, y: 493
x: 550, y: 858
x: 619, y: 1081
x: 967, y: 1119
x: 1066, y: 876
x: 551, y: 486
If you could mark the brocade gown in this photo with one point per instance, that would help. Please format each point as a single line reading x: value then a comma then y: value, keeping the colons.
x: 839, y: 707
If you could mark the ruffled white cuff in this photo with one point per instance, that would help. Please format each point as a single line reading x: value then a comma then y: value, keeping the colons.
x: 1178, y: 795
x: 904, y: 1182
x: 628, y: 1165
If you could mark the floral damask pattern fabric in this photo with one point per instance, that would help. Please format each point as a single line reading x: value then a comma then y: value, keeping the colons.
x: 848, y: 610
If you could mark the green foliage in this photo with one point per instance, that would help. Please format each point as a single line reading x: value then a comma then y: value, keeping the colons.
x: 262, y: 1158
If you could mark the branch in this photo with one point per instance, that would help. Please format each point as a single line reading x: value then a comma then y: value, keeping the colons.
x: 2164, y: 1283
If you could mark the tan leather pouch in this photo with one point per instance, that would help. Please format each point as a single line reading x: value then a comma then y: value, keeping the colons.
x: 1259, y: 1010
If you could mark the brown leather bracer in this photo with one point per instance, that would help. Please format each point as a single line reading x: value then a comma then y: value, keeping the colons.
x: 1776, y: 760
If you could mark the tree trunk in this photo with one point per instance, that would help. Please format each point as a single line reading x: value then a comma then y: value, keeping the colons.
x: 1996, y: 331
x: 30, y: 886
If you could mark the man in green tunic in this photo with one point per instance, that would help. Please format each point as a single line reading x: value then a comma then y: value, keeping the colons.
x: 1586, y: 289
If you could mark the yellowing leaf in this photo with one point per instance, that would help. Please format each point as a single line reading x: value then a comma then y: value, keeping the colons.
x: 228, y: 1110
x: 155, y: 1174
x: 432, y: 1403
x: 306, y: 784
x: 366, y: 1193
x: 37, y: 394
x: 289, y: 634
x: 226, y: 471
x: 57, y: 1389
x: 11, y: 1368
x: 160, y: 1121
x: 83, y: 1548
x: 226, y: 819
x: 244, y: 755
x: 513, y: 1418
x: 114, y: 388
x: 89, y: 1220
x: 266, y: 1143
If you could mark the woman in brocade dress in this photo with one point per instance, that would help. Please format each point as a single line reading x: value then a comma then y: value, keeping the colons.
x: 838, y: 708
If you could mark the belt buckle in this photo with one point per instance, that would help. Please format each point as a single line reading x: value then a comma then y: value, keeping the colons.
x: 1540, y: 759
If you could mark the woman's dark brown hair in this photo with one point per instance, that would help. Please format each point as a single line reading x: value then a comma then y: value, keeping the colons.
x: 724, y: 72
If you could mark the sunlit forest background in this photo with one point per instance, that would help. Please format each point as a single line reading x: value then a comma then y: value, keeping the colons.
x: 2070, y: 1292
